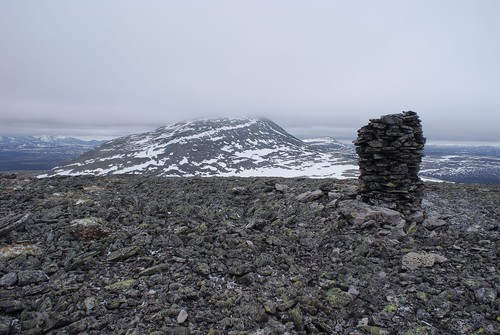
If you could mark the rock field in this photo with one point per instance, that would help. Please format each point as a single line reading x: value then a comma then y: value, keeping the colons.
x: 147, y: 255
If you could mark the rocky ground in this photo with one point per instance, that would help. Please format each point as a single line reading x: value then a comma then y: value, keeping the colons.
x: 139, y: 255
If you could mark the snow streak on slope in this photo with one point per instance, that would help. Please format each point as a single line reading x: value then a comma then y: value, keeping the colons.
x: 222, y: 147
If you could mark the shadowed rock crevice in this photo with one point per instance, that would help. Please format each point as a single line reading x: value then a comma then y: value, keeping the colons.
x: 390, y: 152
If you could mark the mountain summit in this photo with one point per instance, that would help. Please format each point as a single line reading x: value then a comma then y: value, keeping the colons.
x: 212, y: 147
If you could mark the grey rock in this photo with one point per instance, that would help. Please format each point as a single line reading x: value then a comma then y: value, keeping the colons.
x: 13, y: 223
x: 9, y: 279
x: 416, y: 217
x: 485, y: 295
x: 239, y: 190
x: 182, y: 317
x: 309, y: 196
x: 177, y: 331
x: 123, y: 253
x: 31, y: 277
x: 332, y: 204
x: 80, y: 326
x: 433, y: 223
x: 241, y: 269
x: 281, y: 188
x: 358, y: 213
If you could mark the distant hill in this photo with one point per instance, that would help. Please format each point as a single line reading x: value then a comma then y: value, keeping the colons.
x: 213, y: 147
x: 328, y: 143
x: 40, y: 152
x: 462, y: 164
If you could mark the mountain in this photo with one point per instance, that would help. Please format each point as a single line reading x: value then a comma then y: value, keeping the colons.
x: 223, y: 147
x: 40, y: 152
x: 462, y: 164
x: 328, y: 143
x: 230, y: 147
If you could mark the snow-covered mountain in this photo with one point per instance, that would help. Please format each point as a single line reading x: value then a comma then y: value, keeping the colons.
x: 462, y: 164
x: 40, y: 152
x: 46, y: 143
x: 222, y: 147
x: 330, y: 144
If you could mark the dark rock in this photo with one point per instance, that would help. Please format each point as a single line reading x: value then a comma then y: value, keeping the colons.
x: 241, y: 269
x: 80, y: 326
x: 177, y: 331
x: 15, y: 223
x: 9, y: 325
x: 11, y: 306
x: 123, y: 253
x: 112, y: 213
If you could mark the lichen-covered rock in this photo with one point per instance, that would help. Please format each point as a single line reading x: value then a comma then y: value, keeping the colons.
x: 253, y: 261
x: 413, y: 260
x: 337, y: 298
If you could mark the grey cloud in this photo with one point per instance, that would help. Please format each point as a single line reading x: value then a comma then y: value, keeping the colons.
x: 321, y: 65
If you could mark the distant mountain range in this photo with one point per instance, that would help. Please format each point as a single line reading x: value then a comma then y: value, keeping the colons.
x: 228, y: 147
x: 40, y: 152
x: 215, y: 147
x: 462, y: 164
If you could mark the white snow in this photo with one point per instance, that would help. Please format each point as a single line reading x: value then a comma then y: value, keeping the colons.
x: 313, y: 171
x: 211, y: 133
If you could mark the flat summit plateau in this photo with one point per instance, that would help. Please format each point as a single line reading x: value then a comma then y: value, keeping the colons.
x: 153, y: 255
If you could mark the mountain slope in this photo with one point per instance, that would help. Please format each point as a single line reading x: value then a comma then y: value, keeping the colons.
x: 222, y: 147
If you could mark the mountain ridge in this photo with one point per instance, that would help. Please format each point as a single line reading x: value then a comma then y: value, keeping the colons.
x: 40, y: 152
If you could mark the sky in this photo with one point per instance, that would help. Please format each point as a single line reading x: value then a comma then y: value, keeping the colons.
x: 108, y: 68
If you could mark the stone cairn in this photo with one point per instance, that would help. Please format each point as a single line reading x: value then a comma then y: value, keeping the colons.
x: 390, y: 150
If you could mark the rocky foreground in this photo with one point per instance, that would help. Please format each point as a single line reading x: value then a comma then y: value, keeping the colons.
x: 139, y: 255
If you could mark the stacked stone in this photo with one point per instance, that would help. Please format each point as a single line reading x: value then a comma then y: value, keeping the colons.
x: 390, y: 151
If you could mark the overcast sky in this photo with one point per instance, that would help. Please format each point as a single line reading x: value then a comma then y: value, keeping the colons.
x: 316, y: 67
